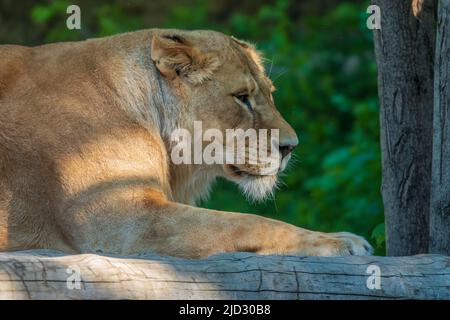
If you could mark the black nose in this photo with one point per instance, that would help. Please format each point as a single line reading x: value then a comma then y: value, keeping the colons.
x: 286, y: 149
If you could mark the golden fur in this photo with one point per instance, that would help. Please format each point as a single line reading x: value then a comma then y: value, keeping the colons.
x: 85, y: 143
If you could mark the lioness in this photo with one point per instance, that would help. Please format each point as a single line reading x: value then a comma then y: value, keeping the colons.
x: 85, y: 147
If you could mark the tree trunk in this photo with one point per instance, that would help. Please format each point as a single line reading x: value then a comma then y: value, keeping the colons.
x: 41, y: 274
x: 440, y: 188
x: 404, y: 49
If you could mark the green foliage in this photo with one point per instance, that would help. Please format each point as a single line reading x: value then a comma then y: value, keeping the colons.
x: 104, y: 19
x: 42, y: 13
x: 54, y: 13
x: 378, y: 234
x: 324, y: 69
x: 111, y: 20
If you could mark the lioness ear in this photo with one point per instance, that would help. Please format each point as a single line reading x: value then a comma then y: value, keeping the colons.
x: 174, y: 56
x: 252, y: 52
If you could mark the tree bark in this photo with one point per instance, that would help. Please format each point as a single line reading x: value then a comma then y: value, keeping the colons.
x: 42, y: 274
x: 404, y: 49
x: 440, y: 190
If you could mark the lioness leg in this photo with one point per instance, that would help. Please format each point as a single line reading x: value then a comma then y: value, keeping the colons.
x: 195, y: 232
x: 141, y: 219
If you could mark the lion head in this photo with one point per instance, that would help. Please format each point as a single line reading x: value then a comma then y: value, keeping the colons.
x: 220, y: 82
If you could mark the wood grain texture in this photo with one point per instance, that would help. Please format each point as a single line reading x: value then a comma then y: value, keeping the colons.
x: 440, y: 187
x: 404, y: 49
x: 42, y: 274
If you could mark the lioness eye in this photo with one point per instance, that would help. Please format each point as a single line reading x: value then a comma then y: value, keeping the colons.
x: 244, y: 98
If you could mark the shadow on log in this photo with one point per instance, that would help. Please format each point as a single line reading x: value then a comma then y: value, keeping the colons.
x: 43, y: 274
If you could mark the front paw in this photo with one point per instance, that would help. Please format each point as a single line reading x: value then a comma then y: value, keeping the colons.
x: 339, y: 244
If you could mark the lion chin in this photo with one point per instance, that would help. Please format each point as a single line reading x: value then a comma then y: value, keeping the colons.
x: 258, y: 188
x: 255, y: 187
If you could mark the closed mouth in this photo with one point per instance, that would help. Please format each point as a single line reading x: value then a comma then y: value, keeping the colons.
x: 238, y: 172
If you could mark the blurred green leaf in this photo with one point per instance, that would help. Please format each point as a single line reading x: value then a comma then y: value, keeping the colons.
x: 378, y: 234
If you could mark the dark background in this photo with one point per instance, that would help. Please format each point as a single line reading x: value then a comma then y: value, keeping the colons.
x: 320, y: 57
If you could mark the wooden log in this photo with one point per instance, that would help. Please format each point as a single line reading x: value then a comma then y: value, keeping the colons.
x: 43, y: 274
